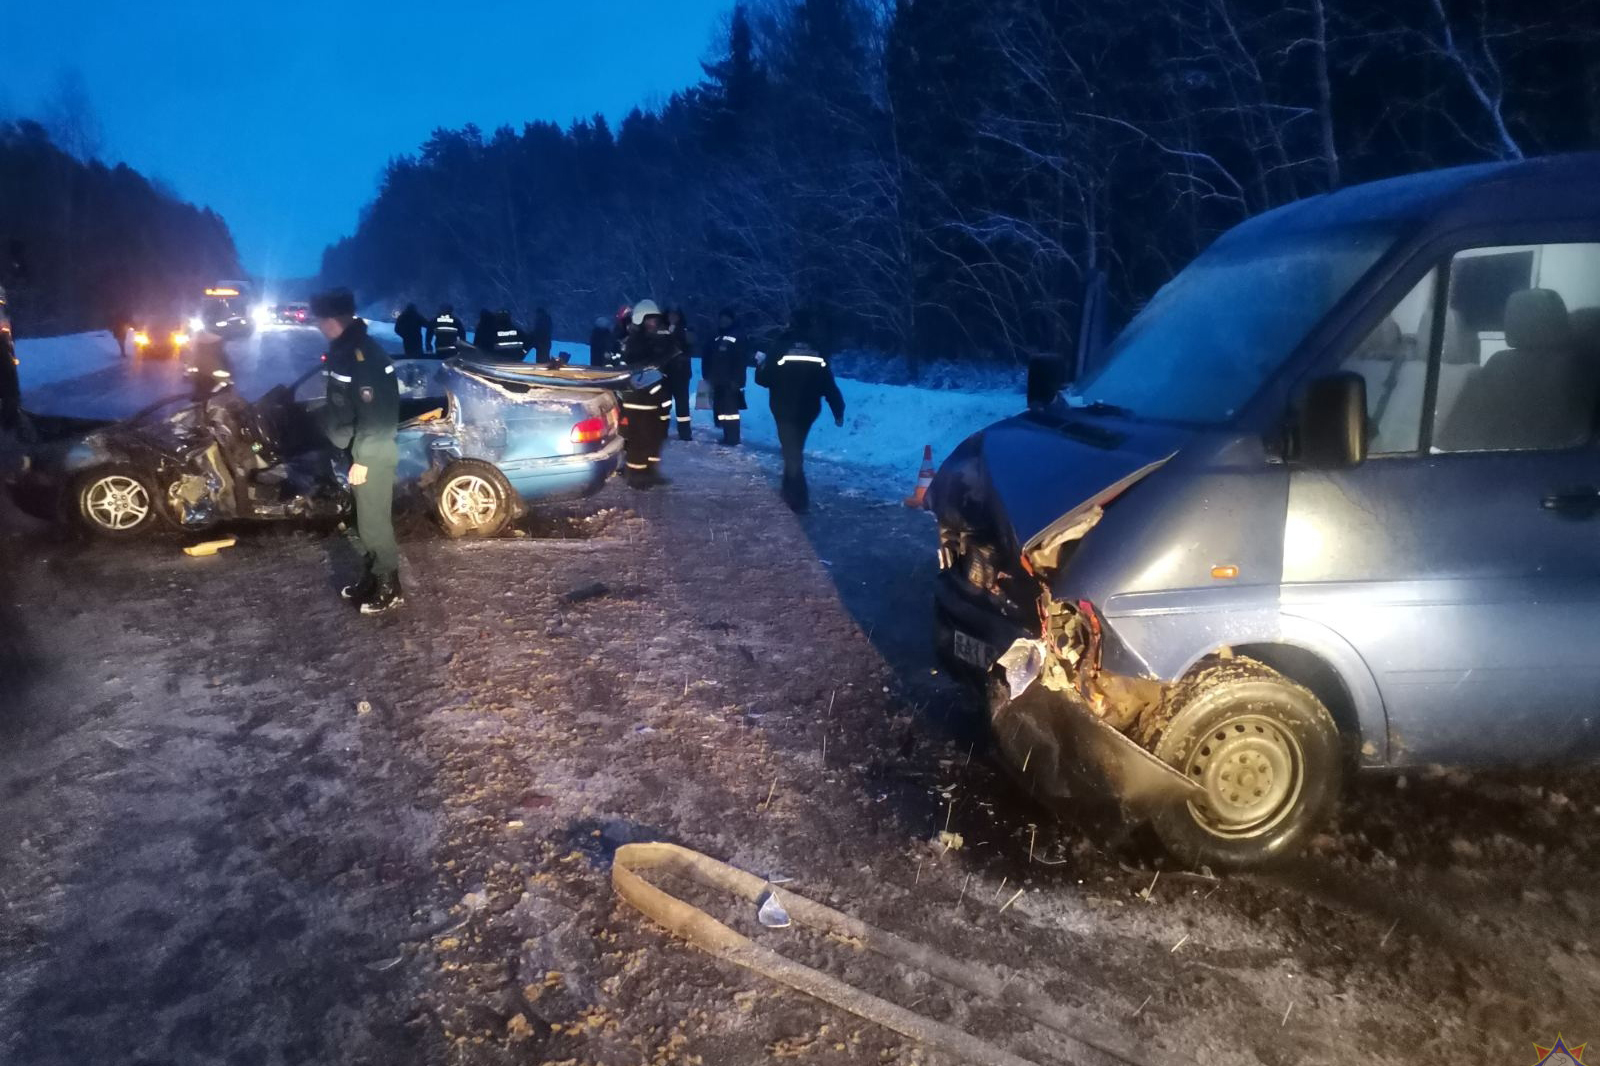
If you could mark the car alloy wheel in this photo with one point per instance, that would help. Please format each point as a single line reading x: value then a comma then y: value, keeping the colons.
x: 116, y: 502
x: 469, y: 501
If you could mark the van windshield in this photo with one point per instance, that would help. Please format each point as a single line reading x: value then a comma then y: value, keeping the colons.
x: 1211, y: 337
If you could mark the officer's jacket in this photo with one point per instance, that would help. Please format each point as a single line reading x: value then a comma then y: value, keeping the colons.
x: 363, y: 408
x: 800, y: 379
x: 724, y: 361
x: 446, y: 331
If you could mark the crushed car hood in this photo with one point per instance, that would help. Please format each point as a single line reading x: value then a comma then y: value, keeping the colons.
x: 1024, y: 476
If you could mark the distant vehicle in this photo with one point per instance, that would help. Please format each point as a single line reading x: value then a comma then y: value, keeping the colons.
x: 1331, y: 502
x: 160, y: 337
x: 479, y: 450
x: 292, y: 314
x: 225, y: 309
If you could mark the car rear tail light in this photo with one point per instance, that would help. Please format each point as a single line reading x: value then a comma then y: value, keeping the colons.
x: 589, y: 431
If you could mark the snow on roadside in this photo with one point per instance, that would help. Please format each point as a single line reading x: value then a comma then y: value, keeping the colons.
x: 885, y: 426
x: 43, y: 361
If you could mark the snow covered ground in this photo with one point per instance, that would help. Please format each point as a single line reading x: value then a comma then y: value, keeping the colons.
x: 43, y: 361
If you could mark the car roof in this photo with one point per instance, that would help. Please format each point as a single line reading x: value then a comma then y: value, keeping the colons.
x: 1547, y: 189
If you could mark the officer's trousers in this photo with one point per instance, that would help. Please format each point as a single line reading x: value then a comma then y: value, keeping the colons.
x: 792, y: 440
x: 726, y: 401
x: 375, y: 519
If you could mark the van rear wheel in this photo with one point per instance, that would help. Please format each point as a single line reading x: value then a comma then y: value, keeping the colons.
x: 1267, y: 754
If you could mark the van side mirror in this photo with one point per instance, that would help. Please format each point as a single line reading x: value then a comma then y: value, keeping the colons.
x: 1333, y: 422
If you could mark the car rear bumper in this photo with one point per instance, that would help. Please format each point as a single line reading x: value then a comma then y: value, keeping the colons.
x: 564, y: 477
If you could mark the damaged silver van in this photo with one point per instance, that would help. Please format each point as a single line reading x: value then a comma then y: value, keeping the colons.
x: 1330, y: 502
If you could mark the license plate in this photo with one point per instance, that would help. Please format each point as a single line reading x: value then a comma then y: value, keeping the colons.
x: 972, y: 651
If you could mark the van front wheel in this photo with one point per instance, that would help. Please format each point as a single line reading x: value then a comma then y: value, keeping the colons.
x: 1267, y: 754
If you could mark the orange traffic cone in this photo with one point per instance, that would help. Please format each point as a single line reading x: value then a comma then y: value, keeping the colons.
x: 924, y: 478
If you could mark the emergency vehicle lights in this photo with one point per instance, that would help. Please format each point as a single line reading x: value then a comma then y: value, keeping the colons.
x: 179, y: 339
x: 222, y: 292
x: 589, y: 431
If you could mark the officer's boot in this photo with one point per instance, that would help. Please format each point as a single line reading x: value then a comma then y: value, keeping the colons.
x: 363, y: 589
x: 385, y: 597
x: 730, y: 433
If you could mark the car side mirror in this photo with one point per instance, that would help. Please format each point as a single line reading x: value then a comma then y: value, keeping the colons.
x: 1333, y: 422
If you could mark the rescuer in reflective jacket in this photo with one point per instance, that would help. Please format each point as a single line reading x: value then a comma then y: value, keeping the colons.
x: 445, y: 333
x: 362, y: 414
x: 647, y: 402
x: 799, y: 379
x: 508, y: 343
x: 724, y: 364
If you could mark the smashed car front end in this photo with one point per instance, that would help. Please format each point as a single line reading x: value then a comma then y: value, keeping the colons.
x: 1066, y: 725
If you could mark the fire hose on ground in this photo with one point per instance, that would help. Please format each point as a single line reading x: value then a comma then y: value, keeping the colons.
x: 715, y: 938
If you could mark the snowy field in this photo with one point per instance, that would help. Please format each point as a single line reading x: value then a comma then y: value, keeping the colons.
x: 43, y: 361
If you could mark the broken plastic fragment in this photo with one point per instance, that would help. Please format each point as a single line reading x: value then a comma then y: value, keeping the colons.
x: 772, y: 915
x: 1022, y: 663
x: 210, y: 547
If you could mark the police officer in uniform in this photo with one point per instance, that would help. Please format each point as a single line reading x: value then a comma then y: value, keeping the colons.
x: 799, y: 379
x: 724, y: 365
x: 445, y: 333
x: 647, y: 402
x: 362, y: 413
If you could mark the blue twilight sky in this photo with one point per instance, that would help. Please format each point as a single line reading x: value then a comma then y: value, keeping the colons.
x: 280, y: 115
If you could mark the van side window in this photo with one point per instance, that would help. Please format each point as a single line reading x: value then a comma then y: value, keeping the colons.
x: 1520, y: 365
x: 1393, y: 359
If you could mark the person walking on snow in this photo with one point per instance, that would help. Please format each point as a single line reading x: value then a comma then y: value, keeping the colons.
x: 409, y: 328
x: 445, y: 333
x: 799, y: 379
x: 540, y: 339
x: 362, y: 414
x: 483, y: 335
x: 724, y: 365
x: 679, y: 371
x: 646, y: 403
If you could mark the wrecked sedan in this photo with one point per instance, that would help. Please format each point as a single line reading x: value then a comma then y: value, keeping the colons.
x: 488, y: 441
x: 1331, y: 502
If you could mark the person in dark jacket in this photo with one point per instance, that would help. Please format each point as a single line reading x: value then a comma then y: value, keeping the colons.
x: 724, y: 364
x: 483, y: 333
x: 121, y: 324
x: 799, y: 379
x: 679, y: 370
x: 409, y: 327
x: 647, y: 402
x: 209, y: 369
x: 539, y: 339
x: 362, y: 414
x: 445, y: 333
x: 509, y: 344
x: 602, y: 343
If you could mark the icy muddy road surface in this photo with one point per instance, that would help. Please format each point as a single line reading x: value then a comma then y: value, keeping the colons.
x: 246, y: 825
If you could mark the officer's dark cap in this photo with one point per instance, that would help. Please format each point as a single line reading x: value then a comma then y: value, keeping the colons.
x: 335, y: 303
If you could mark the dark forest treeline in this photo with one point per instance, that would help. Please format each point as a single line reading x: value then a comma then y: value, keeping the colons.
x: 82, y: 241
x: 939, y: 176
